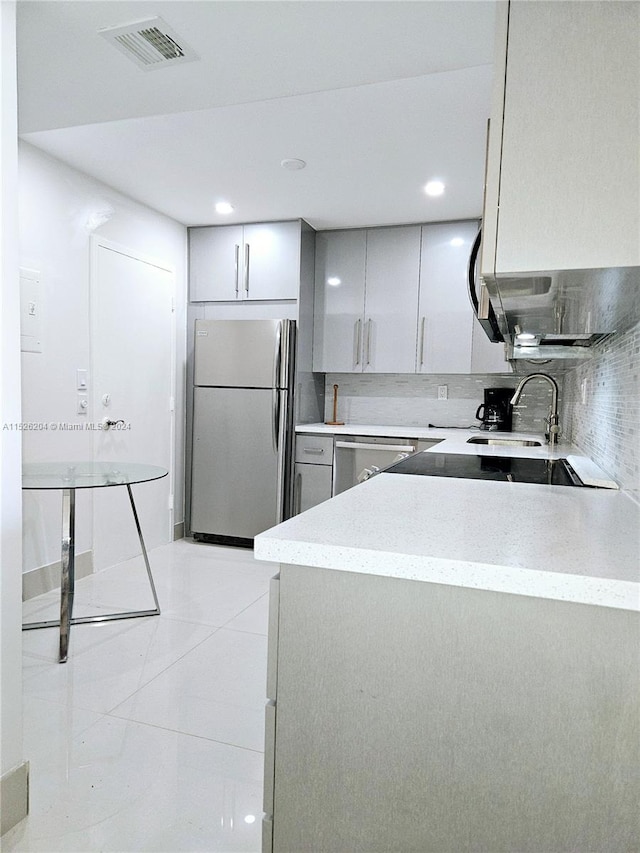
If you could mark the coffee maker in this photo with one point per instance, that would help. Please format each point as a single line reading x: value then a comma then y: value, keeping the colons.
x: 496, y: 411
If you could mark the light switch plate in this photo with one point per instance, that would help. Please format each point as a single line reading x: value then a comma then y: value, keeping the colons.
x: 83, y: 404
x: 81, y: 380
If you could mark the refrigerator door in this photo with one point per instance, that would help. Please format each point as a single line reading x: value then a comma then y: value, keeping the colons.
x: 238, y: 477
x: 242, y: 353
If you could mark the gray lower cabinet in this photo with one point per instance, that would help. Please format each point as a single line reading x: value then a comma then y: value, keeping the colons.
x: 413, y: 716
x: 313, y: 473
x: 312, y: 485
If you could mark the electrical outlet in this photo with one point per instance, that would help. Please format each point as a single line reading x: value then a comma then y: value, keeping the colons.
x: 443, y: 392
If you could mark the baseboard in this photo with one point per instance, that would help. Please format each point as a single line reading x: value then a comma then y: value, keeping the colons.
x: 14, y: 794
x: 178, y: 531
x: 46, y: 578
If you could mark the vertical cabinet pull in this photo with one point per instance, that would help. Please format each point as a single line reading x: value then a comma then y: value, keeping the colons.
x: 358, y: 340
x: 246, y: 268
x: 422, y: 341
x: 368, y: 359
x: 237, y: 268
x: 298, y: 491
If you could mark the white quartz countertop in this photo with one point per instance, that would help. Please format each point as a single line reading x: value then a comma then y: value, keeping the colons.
x: 450, y: 440
x: 559, y: 542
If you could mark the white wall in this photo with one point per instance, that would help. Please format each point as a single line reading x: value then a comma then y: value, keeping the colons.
x: 10, y: 506
x: 56, y: 203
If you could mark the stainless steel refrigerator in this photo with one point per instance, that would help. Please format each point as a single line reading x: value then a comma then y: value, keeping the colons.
x: 242, y: 428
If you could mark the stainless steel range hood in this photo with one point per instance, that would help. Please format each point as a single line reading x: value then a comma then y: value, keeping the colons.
x: 560, y: 314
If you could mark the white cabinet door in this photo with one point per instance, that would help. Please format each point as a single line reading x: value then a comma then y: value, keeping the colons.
x: 339, y: 306
x: 391, y: 297
x: 569, y: 195
x: 444, y: 315
x: 232, y: 263
x: 215, y: 263
x: 271, y: 261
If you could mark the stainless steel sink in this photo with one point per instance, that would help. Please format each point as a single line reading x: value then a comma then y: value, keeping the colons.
x: 504, y: 442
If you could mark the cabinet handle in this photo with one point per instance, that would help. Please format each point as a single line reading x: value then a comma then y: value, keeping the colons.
x: 298, y: 493
x: 358, y: 340
x: 368, y: 341
x: 316, y: 450
x: 246, y: 268
x: 237, y: 268
x: 422, y: 341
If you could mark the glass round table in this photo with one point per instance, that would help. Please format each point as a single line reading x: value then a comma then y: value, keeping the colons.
x: 67, y: 477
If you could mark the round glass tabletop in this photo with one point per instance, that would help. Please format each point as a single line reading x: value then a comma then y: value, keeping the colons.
x: 87, y: 475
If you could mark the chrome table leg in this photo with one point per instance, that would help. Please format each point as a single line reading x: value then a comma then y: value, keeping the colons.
x: 67, y: 586
x: 144, y: 550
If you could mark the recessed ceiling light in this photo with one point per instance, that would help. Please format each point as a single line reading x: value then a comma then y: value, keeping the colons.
x: 293, y: 164
x: 434, y: 188
x: 457, y: 241
x: 224, y: 207
x: 333, y: 281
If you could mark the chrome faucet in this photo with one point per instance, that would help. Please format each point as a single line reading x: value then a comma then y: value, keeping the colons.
x: 552, y: 420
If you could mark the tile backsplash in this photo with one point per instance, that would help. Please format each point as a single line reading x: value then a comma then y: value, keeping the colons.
x: 606, y: 426
x: 408, y: 400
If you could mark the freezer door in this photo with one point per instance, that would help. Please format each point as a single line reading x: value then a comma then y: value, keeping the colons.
x: 238, y: 474
x: 241, y: 353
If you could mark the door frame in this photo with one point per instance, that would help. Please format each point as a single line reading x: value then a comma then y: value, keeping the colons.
x: 98, y: 242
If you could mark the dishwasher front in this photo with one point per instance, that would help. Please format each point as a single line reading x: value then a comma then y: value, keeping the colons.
x: 357, y: 457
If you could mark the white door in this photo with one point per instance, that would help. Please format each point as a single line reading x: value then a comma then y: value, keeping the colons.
x: 132, y: 378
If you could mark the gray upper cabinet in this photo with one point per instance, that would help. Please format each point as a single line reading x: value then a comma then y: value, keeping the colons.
x: 366, y: 293
x: 391, y: 292
x: 444, y: 313
x: 562, y: 190
x: 232, y: 263
x: 394, y: 300
x: 450, y: 340
x: 339, y: 301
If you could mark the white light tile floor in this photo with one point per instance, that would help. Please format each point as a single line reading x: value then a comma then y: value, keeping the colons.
x: 151, y: 736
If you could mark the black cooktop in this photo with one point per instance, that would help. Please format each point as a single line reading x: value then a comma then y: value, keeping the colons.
x: 555, y: 472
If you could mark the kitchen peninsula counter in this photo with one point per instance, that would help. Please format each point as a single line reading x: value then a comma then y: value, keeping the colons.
x: 559, y: 542
x: 454, y: 666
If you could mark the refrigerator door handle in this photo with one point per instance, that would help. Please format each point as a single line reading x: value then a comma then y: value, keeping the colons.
x: 280, y: 421
x: 277, y: 357
x: 237, y: 269
x: 276, y: 421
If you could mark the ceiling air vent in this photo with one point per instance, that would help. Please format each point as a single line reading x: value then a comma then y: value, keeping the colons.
x: 150, y: 44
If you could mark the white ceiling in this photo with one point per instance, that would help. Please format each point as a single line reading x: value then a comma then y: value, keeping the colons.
x: 377, y: 97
